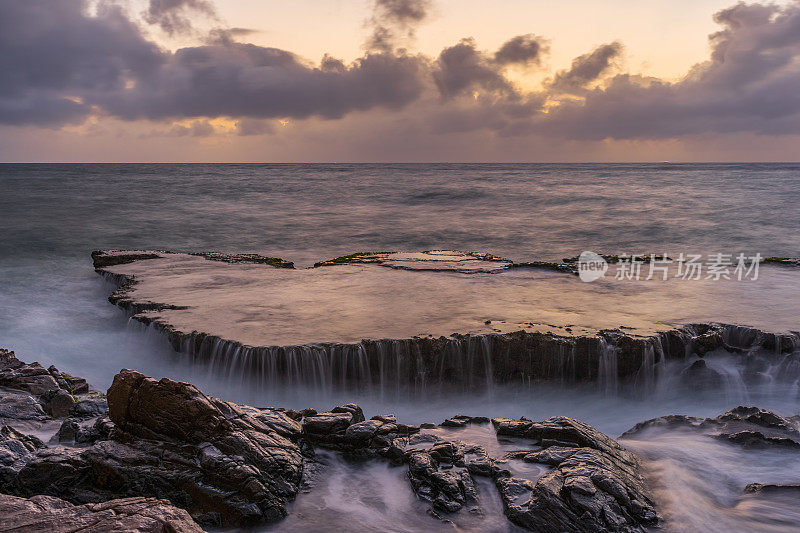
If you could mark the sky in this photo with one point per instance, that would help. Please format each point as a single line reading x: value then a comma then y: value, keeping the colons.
x: 399, y: 80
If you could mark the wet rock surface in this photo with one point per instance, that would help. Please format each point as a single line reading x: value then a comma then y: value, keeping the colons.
x: 745, y: 426
x: 56, y: 392
x: 230, y: 465
x: 226, y: 464
x: 47, y: 514
x: 594, y: 485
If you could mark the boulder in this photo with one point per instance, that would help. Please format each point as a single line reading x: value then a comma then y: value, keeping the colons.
x: 326, y: 424
x: 448, y: 489
x: 89, y: 408
x: 594, y: 485
x: 14, y: 448
x: 749, y: 427
x: 59, y: 403
x: 47, y: 514
x: 227, y: 465
x: 54, y: 391
x: 20, y: 405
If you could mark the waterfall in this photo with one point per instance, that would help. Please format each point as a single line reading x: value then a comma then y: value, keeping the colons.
x: 618, y: 363
x: 607, y: 368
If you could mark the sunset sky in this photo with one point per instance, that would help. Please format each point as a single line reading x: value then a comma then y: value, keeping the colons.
x: 399, y: 80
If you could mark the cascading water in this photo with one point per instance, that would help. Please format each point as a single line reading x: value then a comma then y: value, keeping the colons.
x: 607, y: 368
x: 651, y: 367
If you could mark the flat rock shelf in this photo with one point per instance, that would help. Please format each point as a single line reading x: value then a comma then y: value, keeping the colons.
x: 442, y: 318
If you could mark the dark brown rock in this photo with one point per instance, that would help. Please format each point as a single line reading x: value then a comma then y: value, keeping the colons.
x: 20, y: 405
x: 750, y: 427
x: 59, y: 403
x: 594, y: 485
x: 226, y: 464
x: 47, y: 514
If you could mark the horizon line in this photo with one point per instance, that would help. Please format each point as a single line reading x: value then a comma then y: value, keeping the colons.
x: 397, y: 162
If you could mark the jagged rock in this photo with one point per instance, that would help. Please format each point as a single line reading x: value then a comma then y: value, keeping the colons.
x: 434, y: 478
x: 55, y: 391
x: 59, y: 403
x: 47, y: 514
x: 758, y: 488
x: 89, y: 408
x: 698, y: 376
x: 353, y: 409
x: 746, y: 426
x: 103, y: 426
x: 236, y: 466
x: 554, y: 455
x: 226, y: 464
x: 68, y: 430
x: 326, y: 424
x: 14, y: 446
x: 20, y: 405
x: 758, y: 417
x: 479, y: 463
x: 460, y: 421
x: 756, y: 439
x: 363, y: 432
x: 595, y: 484
x: 702, y: 344
x: 75, y: 384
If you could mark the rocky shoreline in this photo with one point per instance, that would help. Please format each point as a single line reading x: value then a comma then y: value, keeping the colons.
x: 161, y: 456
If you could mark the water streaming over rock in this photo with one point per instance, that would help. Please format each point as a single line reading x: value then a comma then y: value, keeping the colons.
x: 731, y: 358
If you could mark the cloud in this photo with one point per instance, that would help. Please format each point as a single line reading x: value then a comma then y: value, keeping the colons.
x: 198, y: 128
x: 463, y: 69
x: 588, y: 67
x: 522, y: 50
x: 61, y: 65
x: 249, y: 126
x: 750, y: 84
x: 395, y: 20
x: 174, y: 16
x: 54, y: 59
x: 244, y: 80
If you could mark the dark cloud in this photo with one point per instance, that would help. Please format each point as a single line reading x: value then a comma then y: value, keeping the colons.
x: 588, y: 67
x: 404, y: 12
x: 522, y: 50
x: 174, y: 16
x: 750, y: 84
x: 227, y: 35
x: 395, y: 20
x: 462, y: 69
x: 54, y: 59
x: 244, y: 80
x: 60, y: 64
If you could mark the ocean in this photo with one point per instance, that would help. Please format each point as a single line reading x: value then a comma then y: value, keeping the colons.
x: 54, y: 308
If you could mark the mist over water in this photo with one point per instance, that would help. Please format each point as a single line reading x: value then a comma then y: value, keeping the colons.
x: 53, y: 306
